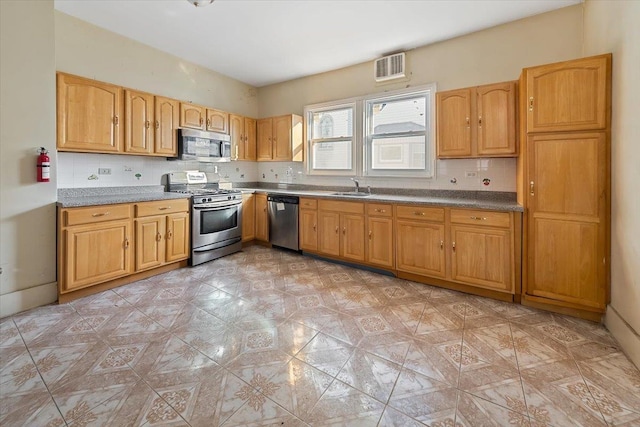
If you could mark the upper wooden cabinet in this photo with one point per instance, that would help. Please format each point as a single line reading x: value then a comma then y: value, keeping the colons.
x: 568, y: 96
x: 280, y: 139
x: 167, y: 118
x: 217, y: 121
x: 477, y: 122
x: 243, y: 137
x: 139, y: 122
x: 89, y: 115
x: 192, y: 116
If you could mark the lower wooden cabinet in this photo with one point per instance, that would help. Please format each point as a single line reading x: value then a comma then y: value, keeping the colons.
x: 262, y: 218
x: 341, y: 228
x: 379, y: 235
x: 329, y: 233
x: 420, y: 248
x: 308, y: 220
x: 98, y: 244
x: 248, y: 217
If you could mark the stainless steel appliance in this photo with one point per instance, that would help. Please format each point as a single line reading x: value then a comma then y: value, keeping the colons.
x: 283, y: 221
x: 216, y: 215
x: 203, y: 146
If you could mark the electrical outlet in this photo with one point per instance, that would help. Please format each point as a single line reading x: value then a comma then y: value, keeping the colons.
x: 104, y: 171
x: 470, y: 174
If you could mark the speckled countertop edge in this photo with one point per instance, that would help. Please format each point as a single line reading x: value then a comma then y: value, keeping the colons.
x: 80, y: 197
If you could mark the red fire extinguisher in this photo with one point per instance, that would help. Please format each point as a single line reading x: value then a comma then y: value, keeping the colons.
x: 44, y: 166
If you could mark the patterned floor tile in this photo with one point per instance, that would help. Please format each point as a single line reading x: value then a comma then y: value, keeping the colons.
x: 473, y: 411
x: 370, y: 374
x: 326, y: 353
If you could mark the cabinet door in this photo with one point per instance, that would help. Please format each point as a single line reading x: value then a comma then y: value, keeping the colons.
x: 282, y: 138
x: 96, y: 253
x: 262, y: 218
x: 420, y: 248
x: 309, y: 229
x: 496, y: 119
x: 567, y: 218
x: 380, y: 241
x: 352, y: 240
x: 265, y: 144
x: 217, y: 121
x: 192, y: 116
x: 454, y: 116
x: 329, y: 233
x: 89, y: 115
x: 482, y: 256
x: 248, y: 217
x: 177, y: 237
x: 139, y: 120
x: 167, y: 121
x: 150, y: 248
x: 236, y: 131
x: 570, y: 95
x: 250, y: 139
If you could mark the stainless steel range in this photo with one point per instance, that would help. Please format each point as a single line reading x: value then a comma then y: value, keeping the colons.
x: 216, y: 215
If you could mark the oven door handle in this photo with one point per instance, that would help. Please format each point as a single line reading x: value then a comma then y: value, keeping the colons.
x: 216, y: 208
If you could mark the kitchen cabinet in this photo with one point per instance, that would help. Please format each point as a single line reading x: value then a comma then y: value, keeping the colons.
x: 94, y: 245
x: 162, y: 233
x: 308, y: 224
x: 243, y: 137
x: 341, y: 228
x: 280, y: 139
x: 564, y: 184
x: 248, y: 217
x: 167, y: 121
x: 217, y: 121
x: 139, y: 123
x: 380, y: 243
x: 89, y: 115
x: 568, y: 96
x: 192, y: 116
x: 482, y: 249
x: 477, y: 122
x: 420, y: 235
x: 262, y: 218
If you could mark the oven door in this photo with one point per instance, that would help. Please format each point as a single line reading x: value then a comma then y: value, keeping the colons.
x: 214, y: 223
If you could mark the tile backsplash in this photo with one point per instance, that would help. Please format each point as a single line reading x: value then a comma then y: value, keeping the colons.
x: 77, y: 170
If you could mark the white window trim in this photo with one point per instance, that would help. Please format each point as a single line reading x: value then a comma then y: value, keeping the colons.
x: 359, y: 147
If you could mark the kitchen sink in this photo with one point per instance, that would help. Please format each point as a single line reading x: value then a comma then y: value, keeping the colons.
x: 351, y: 193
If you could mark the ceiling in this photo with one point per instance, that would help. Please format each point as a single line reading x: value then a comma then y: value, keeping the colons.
x: 261, y: 42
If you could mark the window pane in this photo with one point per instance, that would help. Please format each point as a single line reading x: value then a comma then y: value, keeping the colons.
x: 333, y: 124
x: 404, y: 115
x: 332, y: 155
x: 398, y: 153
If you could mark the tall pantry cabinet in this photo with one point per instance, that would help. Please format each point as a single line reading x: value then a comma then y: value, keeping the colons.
x: 564, y: 184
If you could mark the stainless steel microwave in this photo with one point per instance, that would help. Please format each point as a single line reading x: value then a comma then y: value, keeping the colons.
x: 203, y: 146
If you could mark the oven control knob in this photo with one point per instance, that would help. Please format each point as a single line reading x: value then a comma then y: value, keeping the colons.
x: 209, y: 199
x: 228, y: 197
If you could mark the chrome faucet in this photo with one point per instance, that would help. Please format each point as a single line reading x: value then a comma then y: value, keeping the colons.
x: 357, y: 183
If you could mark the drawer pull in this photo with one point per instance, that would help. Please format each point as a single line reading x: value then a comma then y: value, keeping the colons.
x: 164, y: 208
x: 344, y: 230
x: 478, y: 218
x: 337, y: 230
x: 418, y: 213
x: 100, y: 214
x: 454, y: 246
x: 169, y: 234
x: 380, y: 210
x: 126, y: 243
x: 441, y: 244
x: 147, y: 124
x: 158, y: 237
x: 369, y: 234
x: 314, y: 227
x: 157, y: 124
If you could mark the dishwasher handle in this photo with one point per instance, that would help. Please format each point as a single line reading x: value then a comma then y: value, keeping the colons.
x: 291, y: 200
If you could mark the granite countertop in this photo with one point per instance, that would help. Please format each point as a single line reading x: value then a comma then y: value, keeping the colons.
x: 78, y: 197
x: 461, y: 199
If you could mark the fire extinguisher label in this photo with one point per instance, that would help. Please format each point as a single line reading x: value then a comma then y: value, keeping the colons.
x: 46, y: 167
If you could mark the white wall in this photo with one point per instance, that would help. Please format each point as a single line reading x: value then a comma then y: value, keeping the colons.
x: 493, y: 55
x: 27, y: 121
x: 612, y: 26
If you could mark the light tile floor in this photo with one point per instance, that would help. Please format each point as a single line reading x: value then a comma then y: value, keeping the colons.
x: 267, y: 337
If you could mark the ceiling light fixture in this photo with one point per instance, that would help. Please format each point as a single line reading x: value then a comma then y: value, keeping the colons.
x: 200, y: 3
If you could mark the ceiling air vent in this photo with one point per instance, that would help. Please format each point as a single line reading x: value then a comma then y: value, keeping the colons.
x: 389, y: 67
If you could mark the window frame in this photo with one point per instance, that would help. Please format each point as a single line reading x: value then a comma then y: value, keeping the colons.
x: 309, y: 111
x: 429, y: 91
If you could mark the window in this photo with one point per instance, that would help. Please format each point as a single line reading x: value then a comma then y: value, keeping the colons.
x: 397, y: 136
x: 331, y: 140
x: 381, y: 136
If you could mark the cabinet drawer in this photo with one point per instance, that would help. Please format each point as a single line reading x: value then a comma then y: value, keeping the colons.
x: 308, y: 203
x: 420, y: 213
x: 342, y: 207
x: 89, y: 215
x: 161, y: 207
x: 378, y: 209
x: 480, y: 217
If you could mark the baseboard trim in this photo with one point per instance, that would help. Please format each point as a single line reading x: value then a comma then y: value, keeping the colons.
x: 627, y: 337
x: 24, y: 299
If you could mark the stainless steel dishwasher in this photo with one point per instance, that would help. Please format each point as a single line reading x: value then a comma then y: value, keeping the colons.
x: 283, y: 221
